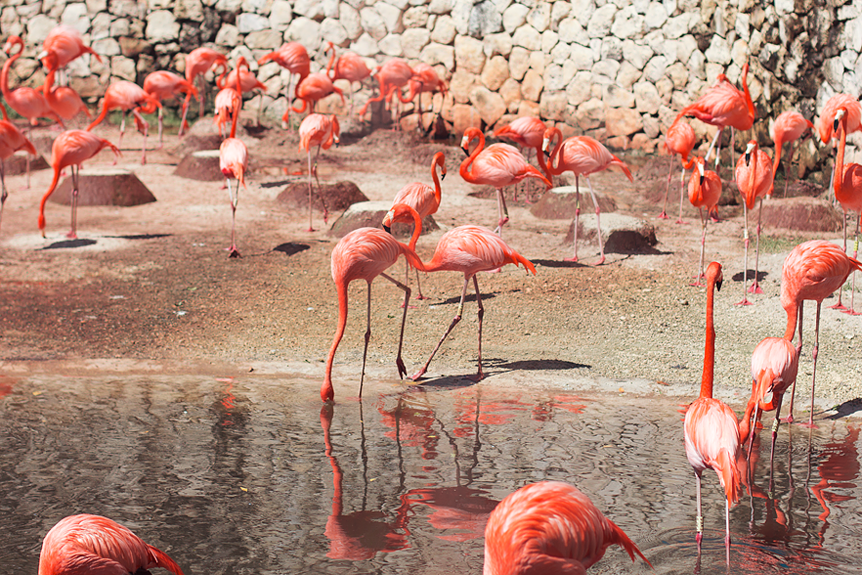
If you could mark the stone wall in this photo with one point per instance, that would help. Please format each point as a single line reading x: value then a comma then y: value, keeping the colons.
x: 618, y: 70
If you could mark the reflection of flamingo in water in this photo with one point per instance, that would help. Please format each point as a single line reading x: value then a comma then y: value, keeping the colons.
x: 362, y: 534
x: 839, y: 469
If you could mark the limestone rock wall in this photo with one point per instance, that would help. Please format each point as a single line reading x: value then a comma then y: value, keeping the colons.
x: 618, y: 70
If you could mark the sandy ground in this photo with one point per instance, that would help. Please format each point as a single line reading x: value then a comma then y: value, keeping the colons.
x: 151, y: 289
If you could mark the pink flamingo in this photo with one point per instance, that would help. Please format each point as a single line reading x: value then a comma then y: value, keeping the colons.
x: 81, y: 544
x: 583, y: 156
x: 789, y: 126
x: 11, y: 140
x: 226, y: 101
x: 65, y: 101
x: 549, y: 527
x: 62, y: 45
x: 813, y: 270
x: 827, y: 128
x: 198, y: 62
x: 847, y: 184
x: 754, y: 178
x: 312, y: 89
x: 704, y: 190
x: 498, y: 165
x: 72, y: 148
x: 528, y: 132
x: 233, y: 163
x: 711, y: 427
x: 365, y: 254
x: 322, y: 131
x: 128, y: 96
x: 294, y: 57
x: 248, y: 82
x: 348, y: 66
x: 469, y: 250
x: 391, y: 76
x: 425, y: 200
x: 680, y: 140
x: 425, y: 81
x: 722, y: 105
x: 165, y: 85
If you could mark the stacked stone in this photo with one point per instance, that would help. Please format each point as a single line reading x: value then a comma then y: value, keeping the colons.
x: 617, y: 70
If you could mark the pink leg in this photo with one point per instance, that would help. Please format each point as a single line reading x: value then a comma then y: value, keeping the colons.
x: 789, y: 418
x: 455, y: 321
x: 703, y: 222
x: 3, y: 193
x: 407, y: 279
x: 681, y: 195
x: 72, y: 233
x: 233, y: 252
x: 161, y: 143
x: 481, y: 313
x: 699, y: 519
x: 598, y: 223
x: 399, y: 363
x: 310, y: 227
x: 146, y: 132
x: 839, y: 306
x: 745, y: 265
x: 852, y: 310
x: 183, y: 124
x: 574, y: 258
x: 755, y: 287
x: 502, y: 212
x: 814, y: 365
x: 663, y: 215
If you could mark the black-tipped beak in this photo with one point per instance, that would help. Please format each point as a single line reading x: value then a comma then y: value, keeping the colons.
x: 718, y: 285
x: 747, y: 158
x: 547, y: 154
x: 443, y: 176
x: 835, y: 123
x: 466, y: 152
x: 387, y: 229
x: 702, y: 178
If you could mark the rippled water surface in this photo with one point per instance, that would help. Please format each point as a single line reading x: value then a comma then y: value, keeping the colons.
x: 249, y: 475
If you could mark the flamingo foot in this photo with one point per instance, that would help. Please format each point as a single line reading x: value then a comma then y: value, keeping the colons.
x: 744, y: 301
x: 663, y: 216
x: 601, y: 261
x: 681, y: 222
x: 408, y: 307
x: 574, y: 259
x: 476, y: 378
x: 420, y: 296
x: 233, y: 252
x: 402, y: 371
x: 839, y: 306
x: 788, y: 419
x: 72, y: 235
x: 850, y: 311
x: 807, y: 424
x: 697, y: 283
x: 418, y: 375
x: 310, y: 229
x: 698, y: 538
x: 755, y: 288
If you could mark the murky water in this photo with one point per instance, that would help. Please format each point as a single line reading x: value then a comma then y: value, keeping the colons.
x: 251, y: 476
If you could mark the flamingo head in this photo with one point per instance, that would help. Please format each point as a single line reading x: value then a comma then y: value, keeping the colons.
x: 713, y: 272
x: 469, y: 134
x: 700, y: 169
x: 12, y: 41
x: 752, y: 145
x: 838, y: 115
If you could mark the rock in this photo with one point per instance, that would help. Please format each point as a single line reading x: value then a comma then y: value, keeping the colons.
x: 540, y: 16
x: 162, y: 26
x: 718, y: 51
x: 336, y: 196
x: 656, y: 16
x: 311, y: 9
x: 202, y: 165
x: 514, y: 17
x: 578, y: 90
x: 469, y: 54
x: 616, y: 97
x: 38, y: 28
x: 372, y: 22
x: 627, y: 23
x: 123, y: 67
x: 438, y: 54
x: 601, y: 21
x: 623, y: 122
x: 532, y: 85
x: 559, y: 203
x: 444, y: 30
x: 440, y: 6
x: 349, y: 18
x: 646, y: 98
x: 306, y: 32
x: 465, y: 116
x: 16, y: 164
x: 365, y: 214
x: 189, y: 10
x: 75, y: 15
x: 391, y: 45
x: 104, y: 186
x: 495, y: 72
x: 498, y: 44
x: 511, y: 93
x: 415, y: 17
x: 249, y: 22
x: 413, y: 40
x: 801, y: 214
x: 485, y: 19
x: 527, y: 37
x: 391, y: 17
x: 489, y: 104
x: 227, y: 35
x: 621, y: 234
x: 365, y: 45
x: 553, y: 105
x: 570, y: 30
x: 519, y: 62
x: 280, y: 15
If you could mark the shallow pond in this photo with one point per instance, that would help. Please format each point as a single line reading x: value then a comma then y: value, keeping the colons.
x: 250, y: 475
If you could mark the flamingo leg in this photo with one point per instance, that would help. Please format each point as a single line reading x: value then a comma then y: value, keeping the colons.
x: 3, y: 193
x: 402, y: 371
x: 663, y: 215
x: 319, y: 189
x: 745, y: 264
x: 259, y: 110
x: 703, y: 222
x: 681, y: 195
x: 146, y: 132
x: 367, y: 338
x: 502, y: 212
x: 712, y: 145
x: 789, y: 418
x: 598, y: 222
x: 310, y: 227
x: 72, y: 234
x: 285, y: 120
x: 160, y: 128
x: 839, y: 306
x: 456, y: 319
x: 698, y: 525
x: 183, y: 124
x: 755, y: 287
x: 574, y: 257
x: 29, y: 136
x: 852, y: 311
x: 481, y: 314
x: 233, y: 252
x: 786, y: 171
x: 419, y: 287
x: 202, y: 96
x: 814, y: 365
x: 775, y: 425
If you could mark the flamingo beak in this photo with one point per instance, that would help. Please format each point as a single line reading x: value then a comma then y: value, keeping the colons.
x: 387, y: 229
x: 702, y: 174
x: 443, y: 175
x: 838, y: 115
x: 748, y: 150
x: 718, y: 284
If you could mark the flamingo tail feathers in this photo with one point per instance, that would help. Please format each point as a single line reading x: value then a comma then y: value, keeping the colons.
x: 519, y: 259
x: 100, y: 117
x: 162, y: 560
x: 729, y: 475
x: 621, y: 539
x: 622, y: 165
x: 533, y: 172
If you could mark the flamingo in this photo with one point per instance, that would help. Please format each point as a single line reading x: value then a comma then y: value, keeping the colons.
x: 348, y: 66
x: 365, y: 254
x: 294, y: 57
x: 394, y: 73
x: 198, y: 62
x: 226, y: 101
x: 549, y: 527
x: 583, y: 156
x: 65, y: 101
x: 468, y: 249
x: 754, y: 178
x: 128, y: 96
x: 789, y: 126
x: 62, y: 45
x: 165, y: 85
x: 248, y: 82
x: 11, y: 140
x: 84, y: 543
x: 424, y: 80
x: 827, y: 127
x: 722, y: 105
x: 498, y: 165
x: 528, y: 132
x: 233, y: 163
x: 847, y: 184
x: 320, y: 130
x: 72, y: 148
x: 704, y: 190
x: 680, y: 140
x: 711, y: 427
x: 425, y: 200
x: 812, y: 271
x: 311, y: 89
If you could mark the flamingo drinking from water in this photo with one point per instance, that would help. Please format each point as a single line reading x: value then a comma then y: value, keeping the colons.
x: 233, y: 163
x: 198, y: 62
x: 847, y: 184
x: 165, y: 85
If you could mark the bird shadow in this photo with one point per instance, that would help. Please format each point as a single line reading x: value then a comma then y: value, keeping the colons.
x: 847, y: 409
x: 760, y: 276
x: 497, y: 366
x: 140, y: 236
x: 276, y: 183
x: 448, y: 382
x: 64, y: 244
x: 290, y: 248
x: 543, y: 364
x: 468, y: 297
x: 559, y: 264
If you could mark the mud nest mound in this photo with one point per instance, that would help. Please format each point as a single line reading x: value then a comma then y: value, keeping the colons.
x: 336, y: 197
x: 104, y: 187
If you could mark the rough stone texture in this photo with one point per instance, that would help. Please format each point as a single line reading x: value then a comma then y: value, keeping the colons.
x: 469, y: 54
x: 495, y: 72
x: 802, y: 214
x: 104, y: 187
x: 337, y: 196
x: 621, y: 234
x: 490, y: 105
x: 162, y: 26
x: 559, y: 203
x: 365, y: 214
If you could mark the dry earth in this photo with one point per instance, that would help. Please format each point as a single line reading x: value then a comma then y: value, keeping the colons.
x: 151, y: 289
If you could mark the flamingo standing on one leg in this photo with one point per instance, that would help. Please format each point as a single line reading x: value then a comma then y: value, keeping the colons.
x: 348, y: 66
x: 469, y: 249
x: 498, y: 165
x: 11, y: 140
x: 711, y: 427
x: 755, y: 179
x: 847, y: 184
x: 165, y: 85
x: 789, y: 127
x: 583, y: 156
x: 704, y: 190
x: 233, y: 163
x: 680, y: 140
x: 722, y: 105
x: 294, y: 57
x: 198, y: 62
x: 425, y: 200
x: 365, y: 254
x: 128, y: 96
x: 322, y: 131
x: 65, y: 101
x: 72, y: 148
x: 528, y: 132
x: 549, y: 527
x: 425, y: 81
x: 813, y: 270
x: 92, y: 544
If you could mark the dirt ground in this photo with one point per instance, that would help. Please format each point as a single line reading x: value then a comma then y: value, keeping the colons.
x: 150, y: 288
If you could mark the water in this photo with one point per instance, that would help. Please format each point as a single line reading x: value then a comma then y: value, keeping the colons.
x: 249, y: 475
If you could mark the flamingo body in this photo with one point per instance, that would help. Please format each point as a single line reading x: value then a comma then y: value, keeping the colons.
x: 314, y: 88
x: 11, y: 140
x: 789, y: 127
x: 292, y: 56
x: 723, y: 104
x: 27, y: 102
x: 422, y: 197
x: 89, y: 544
x: 549, y: 527
x: 227, y: 100
x: 65, y: 101
x: 62, y: 45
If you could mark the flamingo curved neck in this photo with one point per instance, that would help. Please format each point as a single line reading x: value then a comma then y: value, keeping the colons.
x: 4, y: 75
x: 706, y: 382
x: 437, y: 192
x: 554, y: 160
x: 331, y: 61
x: 838, y: 179
x: 417, y: 230
x: 748, y: 101
x: 466, y: 173
x: 238, y: 91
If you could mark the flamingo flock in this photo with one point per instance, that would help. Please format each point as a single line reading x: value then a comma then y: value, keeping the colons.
x: 546, y: 527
